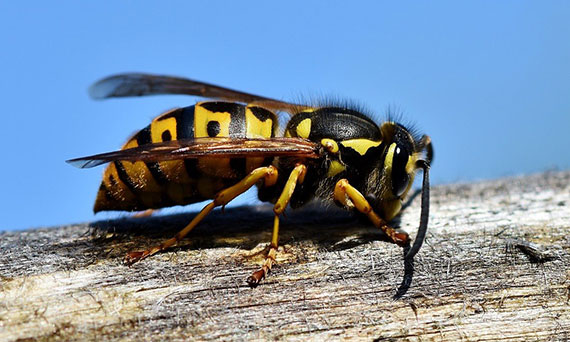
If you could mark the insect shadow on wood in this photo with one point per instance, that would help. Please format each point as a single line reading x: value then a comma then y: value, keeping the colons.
x: 244, y: 228
x: 240, y: 227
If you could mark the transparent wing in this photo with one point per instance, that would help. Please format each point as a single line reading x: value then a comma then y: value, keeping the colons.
x: 138, y: 84
x: 210, y: 147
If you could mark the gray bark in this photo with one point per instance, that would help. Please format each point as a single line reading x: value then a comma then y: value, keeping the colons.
x: 494, y: 267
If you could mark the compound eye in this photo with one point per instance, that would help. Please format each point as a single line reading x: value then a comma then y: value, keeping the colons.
x: 400, y: 178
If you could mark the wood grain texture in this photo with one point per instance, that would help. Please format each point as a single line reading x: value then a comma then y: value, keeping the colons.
x: 495, y: 266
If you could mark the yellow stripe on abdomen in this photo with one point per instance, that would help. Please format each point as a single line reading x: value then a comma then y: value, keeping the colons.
x: 259, y: 124
x: 212, y: 124
x: 204, y: 117
x: 256, y: 126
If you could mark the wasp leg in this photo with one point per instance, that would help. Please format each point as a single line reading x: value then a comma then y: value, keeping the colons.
x: 349, y: 196
x: 223, y: 197
x: 296, y: 177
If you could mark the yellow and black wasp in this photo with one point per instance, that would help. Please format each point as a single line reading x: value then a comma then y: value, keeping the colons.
x: 219, y: 149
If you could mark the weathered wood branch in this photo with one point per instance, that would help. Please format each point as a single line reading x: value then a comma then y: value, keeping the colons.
x: 495, y: 266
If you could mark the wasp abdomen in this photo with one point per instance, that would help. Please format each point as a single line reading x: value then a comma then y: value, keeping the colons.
x: 135, y: 186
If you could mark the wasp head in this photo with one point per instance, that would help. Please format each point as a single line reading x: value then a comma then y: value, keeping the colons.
x: 403, y: 155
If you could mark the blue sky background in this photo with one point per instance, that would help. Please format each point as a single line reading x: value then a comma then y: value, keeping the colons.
x: 488, y: 80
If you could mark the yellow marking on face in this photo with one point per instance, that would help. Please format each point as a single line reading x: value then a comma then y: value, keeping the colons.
x: 287, y: 134
x: 410, y: 168
x: 201, y: 118
x: 335, y: 168
x: 330, y: 145
x: 411, y: 164
x: 304, y: 128
x: 389, y: 157
x: 256, y: 128
x: 360, y: 145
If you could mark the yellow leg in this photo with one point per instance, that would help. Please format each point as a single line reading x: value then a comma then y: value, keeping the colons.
x: 350, y: 196
x: 223, y: 197
x: 296, y: 177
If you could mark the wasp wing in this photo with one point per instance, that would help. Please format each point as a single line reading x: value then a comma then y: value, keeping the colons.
x: 205, y: 147
x: 138, y: 84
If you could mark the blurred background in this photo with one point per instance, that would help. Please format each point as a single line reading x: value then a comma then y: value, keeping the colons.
x: 489, y: 81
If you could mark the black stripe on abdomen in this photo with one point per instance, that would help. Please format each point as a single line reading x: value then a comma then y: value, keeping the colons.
x: 185, y: 123
x: 185, y: 130
x: 124, y: 177
x: 143, y: 138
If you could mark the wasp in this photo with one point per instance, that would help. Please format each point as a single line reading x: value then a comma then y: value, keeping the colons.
x: 217, y: 149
